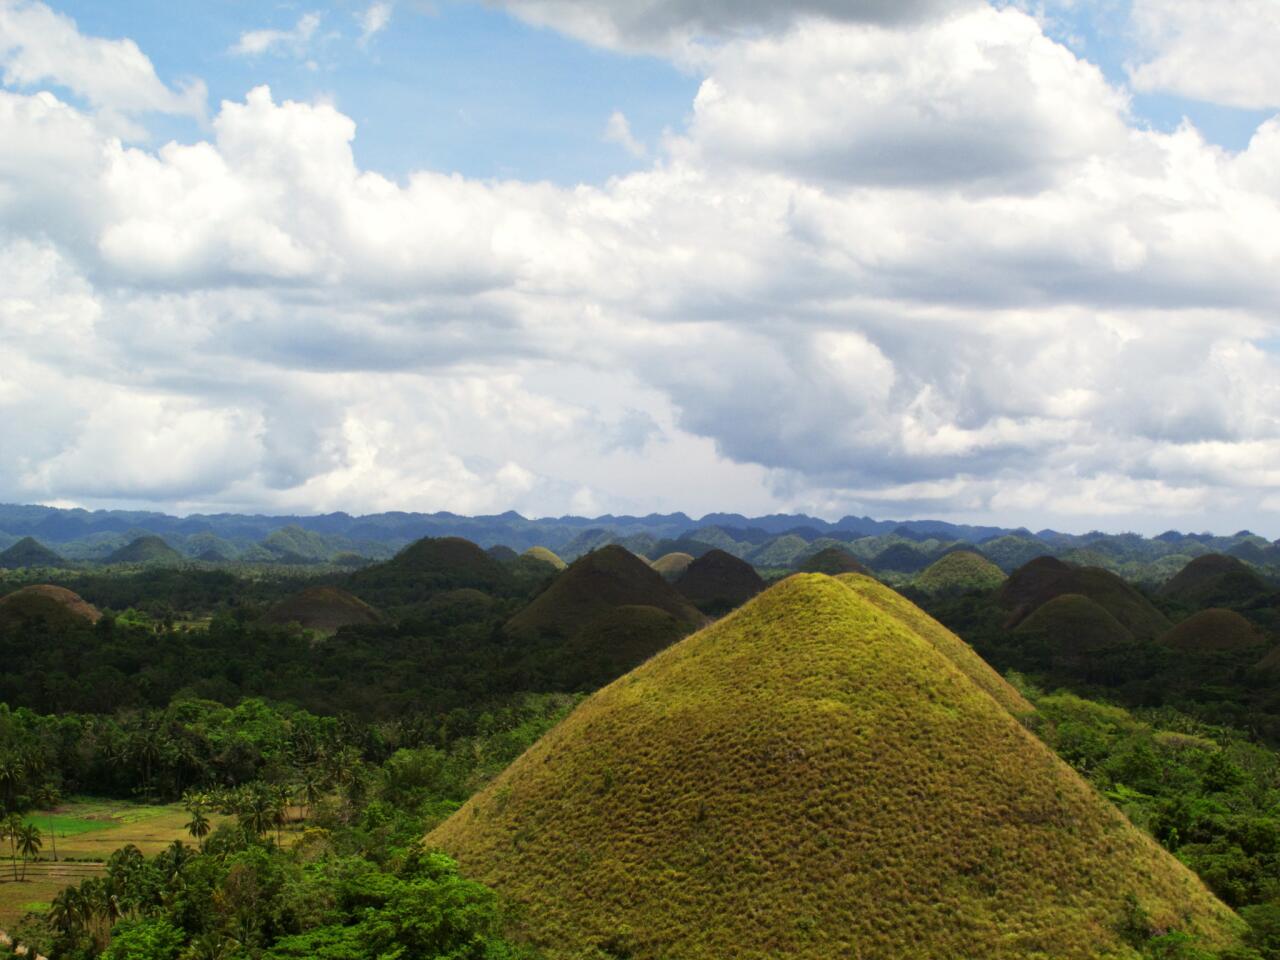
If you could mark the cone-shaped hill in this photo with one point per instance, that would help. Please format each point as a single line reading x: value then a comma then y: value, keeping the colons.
x: 1214, y: 630
x: 671, y: 565
x: 545, y: 556
x: 44, y: 601
x: 147, y: 549
x: 592, y: 586
x: 1044, y: 578
x: 1214, y: 580
x: 1077, y: 634
x: 325, y: 609
x: 959, y: 572
x: 717, y: 582
x: 430, y: 566
x: 810, y: 778
x: 832, y: 561
x: 28, y: 552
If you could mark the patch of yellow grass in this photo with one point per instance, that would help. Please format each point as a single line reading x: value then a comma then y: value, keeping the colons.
x: 813, y: 777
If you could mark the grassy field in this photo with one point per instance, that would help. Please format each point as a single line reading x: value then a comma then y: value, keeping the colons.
x: 87, y: 833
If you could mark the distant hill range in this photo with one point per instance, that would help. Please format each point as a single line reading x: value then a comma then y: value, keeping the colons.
x: 779, y: 542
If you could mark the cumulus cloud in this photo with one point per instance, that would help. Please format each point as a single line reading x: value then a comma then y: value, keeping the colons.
x: 253, y: 43
x: 618, y: 130
x: 38, y: 45
x: 1040, y: 310
x: 1208, y: 50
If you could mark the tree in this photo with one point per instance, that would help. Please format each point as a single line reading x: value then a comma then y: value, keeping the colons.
x: 48, y: 797
x: 199, y: 825
x: 29, y: 843
x: 11, y: 827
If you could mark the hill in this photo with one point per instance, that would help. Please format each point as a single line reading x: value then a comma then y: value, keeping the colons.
x: 671, y: 565
x: 957, y: 573
x: 147, y: 549
x: 1078, y: 633
x: 593, y: 585
x: 28, y: 552
x: 833, y: 561
x: 1214, y: 630
x: 1045, y: 578
x: 46, y: 601
x: 1214, y: 580
x: 325, y: 609
x: 429, y: 566
x: 809, y: 778
x: 901, y: 558
x: 545, y: 556
x: 717, y: 582
x: 615, y: 642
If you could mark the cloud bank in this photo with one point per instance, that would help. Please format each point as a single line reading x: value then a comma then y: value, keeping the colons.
x: 908, y: 265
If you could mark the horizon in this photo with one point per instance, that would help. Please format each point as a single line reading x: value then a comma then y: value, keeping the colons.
x: 990, y: 262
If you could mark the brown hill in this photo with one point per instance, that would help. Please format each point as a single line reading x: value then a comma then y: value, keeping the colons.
x: 1078, y: 632
x: 545, y: 556
x: 809, y: 778
x: 325, y: 609
x: 1214, y: 580
x: 430, y: 566
x: 1214, y: 630
x: 717, y: 582
x: 833, y: 561
x: 44, y: 599
x: 593, y: 585
x: 1045, y: 578
x: 671, y: 565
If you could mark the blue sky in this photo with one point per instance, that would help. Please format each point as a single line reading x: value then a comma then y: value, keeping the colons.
x: 917, y: 259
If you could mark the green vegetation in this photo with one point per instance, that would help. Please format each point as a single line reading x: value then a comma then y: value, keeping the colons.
x: 28, y: 552
x: 545, y: 556
x: 323, y: 609
x: 959, y: 572
x: 1214, y: 580
x: 833, y: 561
x: 711, y: 804
x: 1212, y: 631
x: 1045, y: 578
x: 717, y: 582
x: 147, y: 549
x: 671, y: 565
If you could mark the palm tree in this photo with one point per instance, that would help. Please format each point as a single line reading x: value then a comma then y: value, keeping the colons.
x: 48, y: 797
x: 199, y: 825
x: 12, y: 827
x: 29, y: 844
x: 66, y: 911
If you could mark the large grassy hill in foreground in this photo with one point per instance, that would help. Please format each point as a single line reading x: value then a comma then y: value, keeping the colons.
x: 814, y: 777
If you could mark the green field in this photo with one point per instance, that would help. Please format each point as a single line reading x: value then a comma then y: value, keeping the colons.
x: 87, y: 832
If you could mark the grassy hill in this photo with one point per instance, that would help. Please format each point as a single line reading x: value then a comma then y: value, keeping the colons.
x: 47, y: 602
x: 671, y: 565
x: 810, y: 778
x: 1045, y: 578
x: 429, y: 566
x: 1214, y: 630
x: 616, y: 641
x: 592, y: 586
x: 1214, y: 580
x: 717, y: 582
x: 147, y: 549
x: 1078, y: 634
x: 833, y: 561
x: 959, y: 572
x: 545, y: 556
x: 28, y: 552
x: 325, y: 609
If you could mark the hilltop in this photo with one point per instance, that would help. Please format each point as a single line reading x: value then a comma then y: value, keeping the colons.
x: 1214, y: 580
x: 147, y: 549
x: 811, y: 778
x: 28, y: 552
x: 1045, y: 578
x: 717, y: 582
x: 49, y: 602
x: 591, y: 587
x: 430, y: 566
x: 671, y: 565
x: 959, y: 572
x: 325, y: 609
x: 1077, y: 633
x: 1214, y: 630
x: 833, y: 561
x: 544, y: 555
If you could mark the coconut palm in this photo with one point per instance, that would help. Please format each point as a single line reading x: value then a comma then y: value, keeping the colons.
x: 12, y: 827
x: 29, y: 842
x: 199, y: 825
x: 48, y: 797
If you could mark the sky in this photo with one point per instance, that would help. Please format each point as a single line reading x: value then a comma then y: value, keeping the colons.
x: 1004, y: 262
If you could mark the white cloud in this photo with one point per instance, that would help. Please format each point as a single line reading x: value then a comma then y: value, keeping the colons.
x: 373, y: 20
x: 618, y: 130
x: 1042, y: 311
x: 40, y: 46
x: 1210, y: 50
x: 253, y: 43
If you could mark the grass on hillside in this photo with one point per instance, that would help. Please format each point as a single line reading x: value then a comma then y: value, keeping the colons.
x: 812, y: 778
x: 958, y: 573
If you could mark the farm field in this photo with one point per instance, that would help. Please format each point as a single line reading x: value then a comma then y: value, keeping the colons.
x: 87, y: 832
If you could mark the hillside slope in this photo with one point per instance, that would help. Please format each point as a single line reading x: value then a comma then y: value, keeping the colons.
x: 28, y: 552
x: 809, y: 778
x: 1045, y: 578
